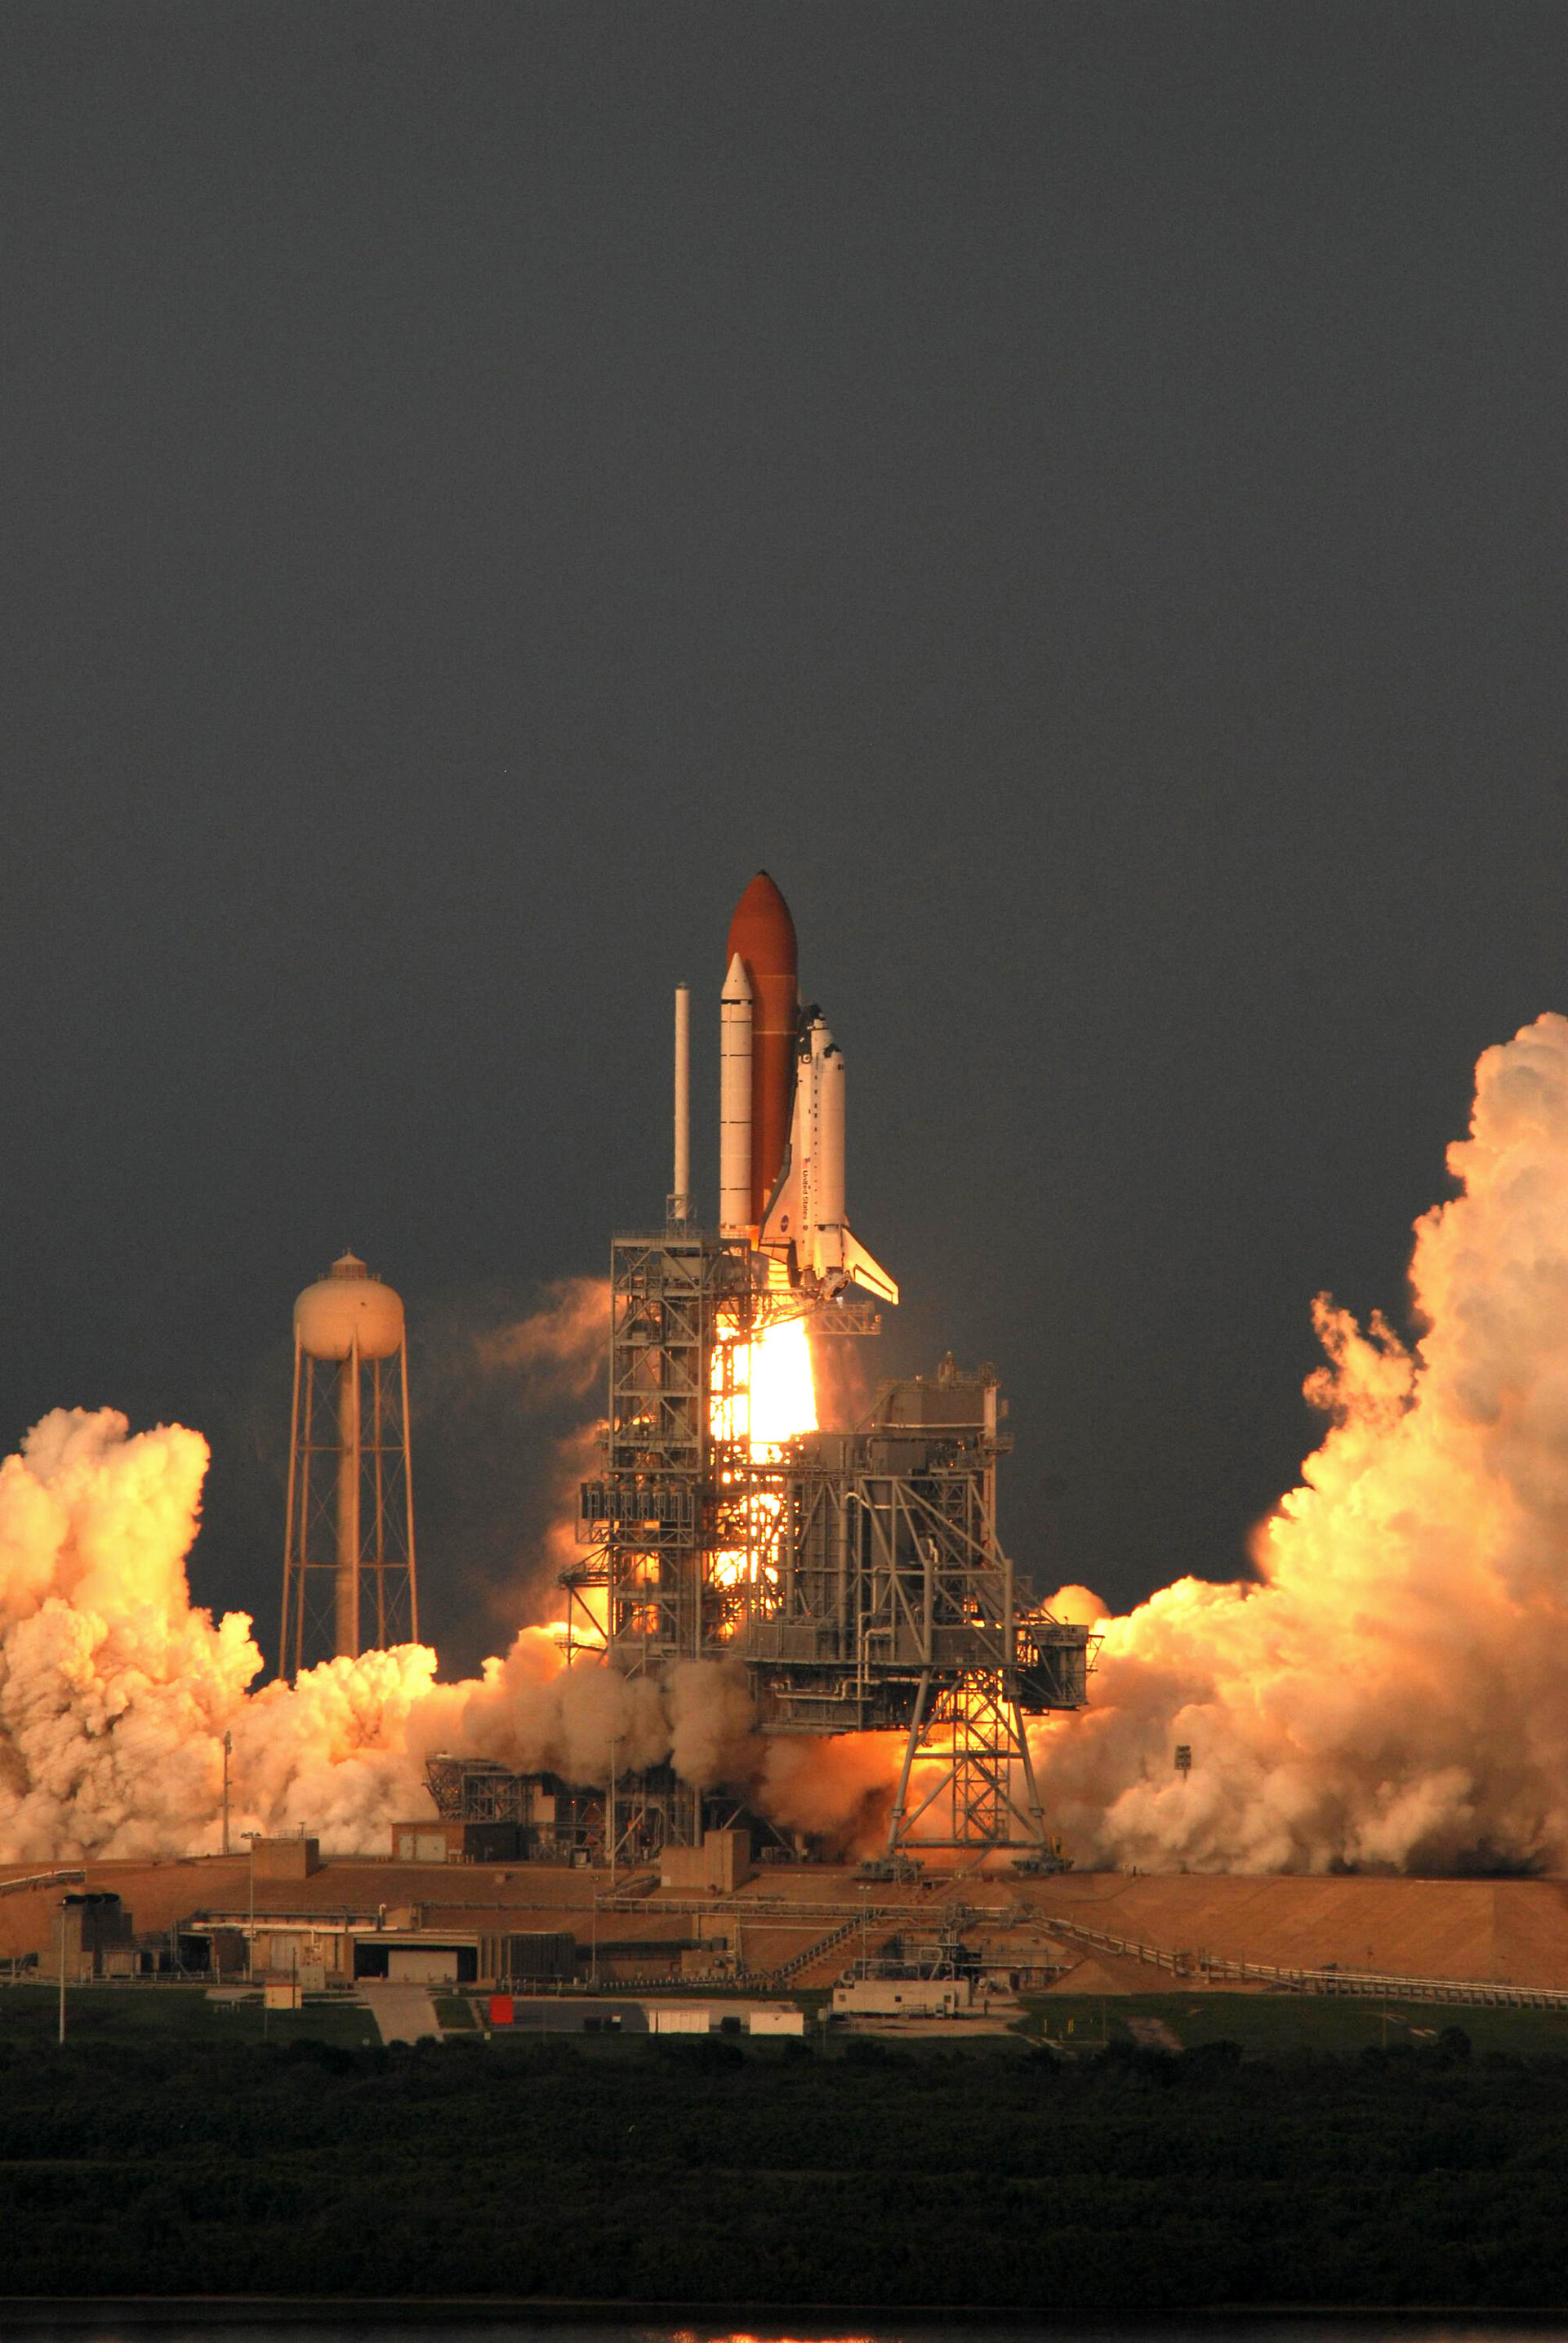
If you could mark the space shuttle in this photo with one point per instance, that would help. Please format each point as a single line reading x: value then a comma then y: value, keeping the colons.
x: 781, y: 1112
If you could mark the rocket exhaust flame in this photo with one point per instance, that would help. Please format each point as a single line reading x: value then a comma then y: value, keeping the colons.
x: 783, y: 1397
x: 764, y: 1394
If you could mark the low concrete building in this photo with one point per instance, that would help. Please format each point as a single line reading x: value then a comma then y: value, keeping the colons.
x: 416, y: 1960
x: 457, y: 1842
x: 678, y: 2017
x: 88, y: 1934
x: 285, y: 1858
x: 338, y: 1948
x: 720, y: 1865
x: 778, y: 2021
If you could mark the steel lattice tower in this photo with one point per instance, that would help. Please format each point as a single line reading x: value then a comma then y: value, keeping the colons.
x: 857, y: 1576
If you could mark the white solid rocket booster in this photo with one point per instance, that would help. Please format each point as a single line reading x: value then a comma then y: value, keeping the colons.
x: 735, y: 1103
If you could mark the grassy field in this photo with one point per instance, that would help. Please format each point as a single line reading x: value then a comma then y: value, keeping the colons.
x: 179, y: 2012
x: 1267, y: 2023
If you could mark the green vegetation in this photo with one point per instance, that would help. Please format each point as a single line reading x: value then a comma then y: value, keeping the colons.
x: 192, y: 2159
x: 99, y: 2013
x: 348, y: 2022
x: 1268, y: 2024
x: 455, y: 2012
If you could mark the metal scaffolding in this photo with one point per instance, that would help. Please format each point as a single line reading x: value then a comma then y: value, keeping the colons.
x: 894, y: 1606
x: 857, y: 1576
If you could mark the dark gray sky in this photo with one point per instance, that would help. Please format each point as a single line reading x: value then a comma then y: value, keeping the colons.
x: 1076, y: 491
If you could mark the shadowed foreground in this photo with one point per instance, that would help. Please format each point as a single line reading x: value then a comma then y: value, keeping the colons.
x: 694, y: 2172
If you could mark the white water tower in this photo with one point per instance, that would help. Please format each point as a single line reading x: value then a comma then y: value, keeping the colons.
x: 349, y: 1578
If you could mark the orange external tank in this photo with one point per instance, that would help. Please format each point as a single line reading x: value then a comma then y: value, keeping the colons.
x: 763, y: 933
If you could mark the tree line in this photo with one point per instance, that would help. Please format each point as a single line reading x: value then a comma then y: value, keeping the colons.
x: 698, y: 2172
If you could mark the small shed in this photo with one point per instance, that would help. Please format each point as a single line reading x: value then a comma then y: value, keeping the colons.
x: 677, y: 2017
x: 778, y: 2021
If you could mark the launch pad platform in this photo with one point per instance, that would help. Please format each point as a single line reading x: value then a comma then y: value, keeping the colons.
x: 1512, y: 1931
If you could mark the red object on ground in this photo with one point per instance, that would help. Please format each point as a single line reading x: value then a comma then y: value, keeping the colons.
x: 501, y: 2010
x: 763, y: 933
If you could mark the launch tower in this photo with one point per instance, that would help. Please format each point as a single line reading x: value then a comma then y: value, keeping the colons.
x: 856, y: 1576
x: 350, y: 1534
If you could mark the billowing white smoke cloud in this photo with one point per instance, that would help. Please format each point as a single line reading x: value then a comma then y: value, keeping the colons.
x: 713, y: 1722
x: 1391, y: 1692
x: 838, y: 1790
x: 116, y: 1693
x: 560, y: 1347
x: 560, y: 1351
x: 112, y: 1689
x: 1395, y: 1692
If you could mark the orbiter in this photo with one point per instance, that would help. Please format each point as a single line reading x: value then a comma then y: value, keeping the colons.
x: 781, y: 1112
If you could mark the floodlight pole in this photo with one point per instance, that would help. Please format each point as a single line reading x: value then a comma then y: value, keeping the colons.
x: 250, y: 1933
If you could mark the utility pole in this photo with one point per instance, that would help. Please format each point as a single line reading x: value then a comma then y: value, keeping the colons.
x: 250, y: 1932
x: 64, y: 1907
x: 227, y: 1753
x: 610, y: 1833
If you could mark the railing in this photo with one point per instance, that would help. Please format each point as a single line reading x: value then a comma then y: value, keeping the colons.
x: 38, y: 1879
x: 766, y: 1911
x: 803, y: 1959
x: 744, y: 1980
x: 1490, y: 1993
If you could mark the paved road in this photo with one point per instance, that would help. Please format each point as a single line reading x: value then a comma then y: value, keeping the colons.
x: 1153, y: 2033
x: 553, y: 2013
x: 403, y: 2012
